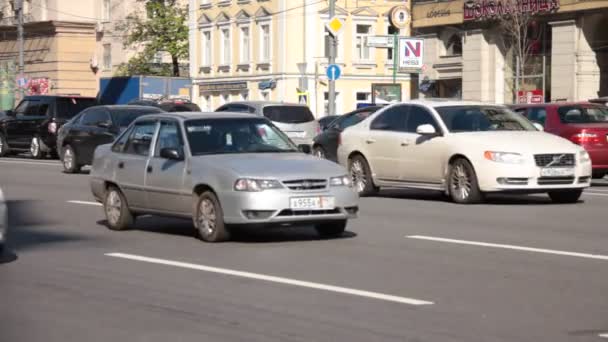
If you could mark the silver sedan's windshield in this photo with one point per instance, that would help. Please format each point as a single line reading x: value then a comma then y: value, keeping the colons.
x: 482, y: 118
x: 230, y: 135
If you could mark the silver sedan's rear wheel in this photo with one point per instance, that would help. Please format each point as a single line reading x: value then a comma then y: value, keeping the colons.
x: 117, y: 212
x: 462, y: 183
x: 209, y: 218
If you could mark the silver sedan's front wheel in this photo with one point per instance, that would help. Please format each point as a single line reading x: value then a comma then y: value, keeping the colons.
x: 117, y: 212
x: 462, y: 183
x: 209, y: 218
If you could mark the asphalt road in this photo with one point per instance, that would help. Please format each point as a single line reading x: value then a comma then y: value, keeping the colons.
x: 412, y: 268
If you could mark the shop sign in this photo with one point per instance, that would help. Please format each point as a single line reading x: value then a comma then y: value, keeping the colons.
x: 438, y: 13
x: 487, y: 9
x: 380, y: 41
x: 222, y: 87
x: 411, y: 52
x: 530, y: 96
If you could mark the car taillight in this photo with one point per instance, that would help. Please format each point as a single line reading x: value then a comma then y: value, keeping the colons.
x: 52, y: 127
x: 318, y: 129
x: 585, y: 138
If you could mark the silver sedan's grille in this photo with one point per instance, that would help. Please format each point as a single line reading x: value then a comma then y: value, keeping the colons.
x: 306, y: 184
x: 554, y: 160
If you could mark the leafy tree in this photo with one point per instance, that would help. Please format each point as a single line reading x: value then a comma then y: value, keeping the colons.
x: 163, y: 28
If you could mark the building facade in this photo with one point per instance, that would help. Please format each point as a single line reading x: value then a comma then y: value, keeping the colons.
x: 276, y: 50
x: 468, y: 55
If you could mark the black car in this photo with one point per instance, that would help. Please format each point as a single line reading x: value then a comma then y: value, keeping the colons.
x: 325, y: 145
x: 325, y: 121
x: 172, y: 105
x: 33, y: 125
x: 95, y: 126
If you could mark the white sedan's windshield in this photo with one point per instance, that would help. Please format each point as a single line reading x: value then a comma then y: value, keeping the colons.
x: 229, y: 135
x: 482, y: 118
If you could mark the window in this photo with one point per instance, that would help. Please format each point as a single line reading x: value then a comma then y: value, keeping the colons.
x: 226, y: 46
x: 168, y: 137
x: 68, y: 107
x: 265, y: 43
x: 538, y: 115
x: 353, y: 119
x: 389, y: 52
x: 107, y: 56
x: 482, y: 118
x: 419, y: 116
x: 392, y: 119
x: 206, y: 48
x: 454, y: 46
x: 120, y: 143
x: 94, y: 117
x: 245, y: 47
x: 124, y: 117
x: 570, y: 114
x: 362, y: 52
x: 288, y: 114
x: 364, y: 96
x: 106, y: 11
x: 141, y: 138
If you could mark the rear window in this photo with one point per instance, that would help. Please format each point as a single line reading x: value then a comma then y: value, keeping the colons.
x: 123, y: 117
x: 579, y: 114
x: 354, y: 119
x: 68, y: 107
x: 288, y: 114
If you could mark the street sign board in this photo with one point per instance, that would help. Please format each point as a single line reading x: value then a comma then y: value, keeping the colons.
x: 380, y: 41
x: 333, y: 72
x: 334, y: 26
x: 411, y: 52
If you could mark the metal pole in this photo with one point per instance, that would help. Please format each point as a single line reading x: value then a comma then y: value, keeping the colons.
x: 19, y: 9
x: 395, y: 54
x: 332, y: 60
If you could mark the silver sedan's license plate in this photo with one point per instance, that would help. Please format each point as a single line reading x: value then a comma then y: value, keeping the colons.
x: 312, y: 203
x: 557, y: 172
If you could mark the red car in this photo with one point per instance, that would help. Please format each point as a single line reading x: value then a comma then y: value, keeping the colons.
x: 583, y: 123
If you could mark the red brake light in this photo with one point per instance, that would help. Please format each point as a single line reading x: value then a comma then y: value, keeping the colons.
x: 585, y: 138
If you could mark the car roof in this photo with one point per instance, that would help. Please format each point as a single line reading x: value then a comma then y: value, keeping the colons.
x: 266, y: 103
x: 110, y: 107
x: 439, y: 102
x: 554, y: 104
x: 199, y: 115
x: 59, y: 97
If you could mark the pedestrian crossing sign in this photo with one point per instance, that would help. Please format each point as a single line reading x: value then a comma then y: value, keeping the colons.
x: 303, y: 97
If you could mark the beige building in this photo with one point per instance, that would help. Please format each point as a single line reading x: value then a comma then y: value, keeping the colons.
x: 466, y: 55
x: 276, y: 50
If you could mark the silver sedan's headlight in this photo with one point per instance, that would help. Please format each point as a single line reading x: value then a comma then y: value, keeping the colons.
x: 249, y: 184
x: 340, y: 181
x: 504, y: 157
x: 584, y: 157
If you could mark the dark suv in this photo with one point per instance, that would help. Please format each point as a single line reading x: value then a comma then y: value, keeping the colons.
x: 33, y: 125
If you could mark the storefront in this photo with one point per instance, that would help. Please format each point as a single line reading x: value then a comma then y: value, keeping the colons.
x: 213, y: 95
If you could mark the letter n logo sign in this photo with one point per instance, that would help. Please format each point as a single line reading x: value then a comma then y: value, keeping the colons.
x: 413, y: 49
x: 411, y: 53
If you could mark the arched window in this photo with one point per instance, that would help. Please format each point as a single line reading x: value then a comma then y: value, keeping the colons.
x: 454, y: 46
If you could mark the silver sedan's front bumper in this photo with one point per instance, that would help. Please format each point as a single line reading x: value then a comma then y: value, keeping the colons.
x: 273, y: 207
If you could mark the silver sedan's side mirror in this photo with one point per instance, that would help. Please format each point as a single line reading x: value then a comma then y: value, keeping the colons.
x: 538, y: 126
x: 426, y: 130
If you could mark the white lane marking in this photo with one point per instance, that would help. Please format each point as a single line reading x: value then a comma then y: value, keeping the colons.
x: 86, y: 203
x: 28, y: 162
x: 520, y: 248
x: 273, y: 279
x: 594, y: 194
x: 603, y: 335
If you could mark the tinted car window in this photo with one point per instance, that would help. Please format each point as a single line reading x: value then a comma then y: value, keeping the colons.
x: 392, y: 119
x: 353, y: 119
x: 482, y: 118
x: 140, y: 138
x: 419, y: 116
x: 538, y: 115
x: 168, y: 137
x: 123, y: 117
x: 578, y: 114
x: 288, y: 114
x: 119, y: 145
x: 67, y: 107
x: 94, y: 117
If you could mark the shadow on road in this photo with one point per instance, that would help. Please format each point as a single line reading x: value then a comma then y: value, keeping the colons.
x: 184, y: 228
x: 491, y: 199
x: 7, y: 256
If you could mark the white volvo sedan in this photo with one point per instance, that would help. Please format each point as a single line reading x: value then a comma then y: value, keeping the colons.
x: 464, y: 149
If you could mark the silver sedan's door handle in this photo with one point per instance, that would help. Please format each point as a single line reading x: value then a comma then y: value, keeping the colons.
x: 370, y: 141
x: 405, y: 142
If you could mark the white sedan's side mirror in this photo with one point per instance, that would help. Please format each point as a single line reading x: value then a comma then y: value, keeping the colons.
x: 426, y: 130
x: 538, y: 126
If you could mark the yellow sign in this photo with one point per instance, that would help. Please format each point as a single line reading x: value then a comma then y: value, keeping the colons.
x: 303, y: 97
x: 334, y: 26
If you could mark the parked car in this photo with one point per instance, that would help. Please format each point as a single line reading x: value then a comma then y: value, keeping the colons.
x: 464, y: 149
x: 168, y: 105
x: 3, y: 221
x: 78, y: 138
x: 220, y: 170
x: 325, y: 145
x: 601, y: 100
x: 583, y: 123
x: 295, y: 120
x: 33, y: 125
x: 325, y: 121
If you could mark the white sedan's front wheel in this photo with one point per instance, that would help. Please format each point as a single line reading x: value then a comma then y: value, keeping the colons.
x: 462, y: 183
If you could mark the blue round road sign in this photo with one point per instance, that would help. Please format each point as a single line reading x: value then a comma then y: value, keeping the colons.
x: 333, y: 72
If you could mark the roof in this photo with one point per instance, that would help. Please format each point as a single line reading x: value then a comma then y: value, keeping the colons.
x: 437, y: 102
x: 202, y: 115
x: 61, y: 96
x: 127, y: 107
x: 267, y: 103
x: 553, y: 104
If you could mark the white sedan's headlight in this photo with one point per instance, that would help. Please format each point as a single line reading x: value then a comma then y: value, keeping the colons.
x: 504, y: 157
x: 584, y: 157
x: 248, y: 184
x: 340, y: 181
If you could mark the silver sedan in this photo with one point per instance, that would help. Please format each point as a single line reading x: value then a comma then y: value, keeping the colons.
x: 220, y: 170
